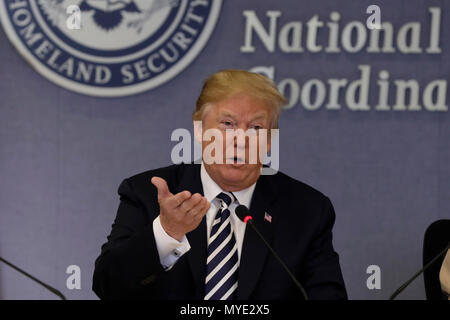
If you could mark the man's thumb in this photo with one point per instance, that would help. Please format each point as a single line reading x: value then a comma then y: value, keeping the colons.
x: 161, y: 185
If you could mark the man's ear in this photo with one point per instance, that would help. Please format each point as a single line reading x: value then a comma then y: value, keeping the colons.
x: 198, y: 131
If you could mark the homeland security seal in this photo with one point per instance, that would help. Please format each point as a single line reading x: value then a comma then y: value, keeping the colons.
x: 121, y: 47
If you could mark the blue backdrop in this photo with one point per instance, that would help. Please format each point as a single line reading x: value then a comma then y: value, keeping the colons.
x: 383, y: 157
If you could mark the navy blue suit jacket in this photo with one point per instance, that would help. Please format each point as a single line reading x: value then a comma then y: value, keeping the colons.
x: 300, y: 232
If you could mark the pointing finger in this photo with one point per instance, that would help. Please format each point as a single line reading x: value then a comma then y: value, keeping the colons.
x: 192, y: 202
x: 178, y: 199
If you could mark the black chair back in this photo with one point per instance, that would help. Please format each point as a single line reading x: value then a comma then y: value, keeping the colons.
x: 437, y: 236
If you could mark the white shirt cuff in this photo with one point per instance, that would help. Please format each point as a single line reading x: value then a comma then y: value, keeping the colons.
x: 169, y: 249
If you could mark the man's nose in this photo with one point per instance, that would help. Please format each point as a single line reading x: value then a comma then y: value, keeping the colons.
x: 240, y: 141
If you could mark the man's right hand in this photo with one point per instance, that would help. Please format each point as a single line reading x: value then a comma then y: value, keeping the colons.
x: 179, y: 213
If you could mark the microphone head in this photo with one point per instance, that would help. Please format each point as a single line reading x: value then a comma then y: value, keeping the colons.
x: 242, y: 212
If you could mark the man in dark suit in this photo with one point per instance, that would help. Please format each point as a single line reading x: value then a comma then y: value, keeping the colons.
x: 177, y: 236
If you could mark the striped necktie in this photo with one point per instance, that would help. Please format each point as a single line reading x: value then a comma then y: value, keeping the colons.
x: 222, y: 262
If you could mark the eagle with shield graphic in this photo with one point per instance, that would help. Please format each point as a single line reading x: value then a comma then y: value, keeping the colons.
x: 108, y: 14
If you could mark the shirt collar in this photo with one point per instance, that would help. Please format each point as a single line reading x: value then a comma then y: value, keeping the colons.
x: 211, y: 189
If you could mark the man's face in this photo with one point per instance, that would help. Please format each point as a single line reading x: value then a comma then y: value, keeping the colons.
x: 238, y: 169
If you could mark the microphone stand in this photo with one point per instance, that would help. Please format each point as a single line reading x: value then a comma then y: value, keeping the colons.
x: 403, y: 287
x: 49, y: 288
x: 285, y: 267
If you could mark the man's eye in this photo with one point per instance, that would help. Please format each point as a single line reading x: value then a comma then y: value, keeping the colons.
x: 227, y: 123
x: 256, y: 127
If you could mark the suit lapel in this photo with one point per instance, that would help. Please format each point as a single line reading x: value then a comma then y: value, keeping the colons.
x: 190, y: 180
x: 254, y: 252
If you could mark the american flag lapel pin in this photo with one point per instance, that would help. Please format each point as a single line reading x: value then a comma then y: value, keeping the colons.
x: 267, y: 217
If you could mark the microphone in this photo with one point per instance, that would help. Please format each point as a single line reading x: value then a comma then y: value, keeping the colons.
x: 407, y: 283
x: 46, y: 286
x: 243, y: 214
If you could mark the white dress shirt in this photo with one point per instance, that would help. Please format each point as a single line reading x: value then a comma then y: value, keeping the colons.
x: 170, y: 249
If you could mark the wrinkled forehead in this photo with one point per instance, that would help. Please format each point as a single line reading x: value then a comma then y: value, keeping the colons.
x: 262, y: 115
x: 243, y: 107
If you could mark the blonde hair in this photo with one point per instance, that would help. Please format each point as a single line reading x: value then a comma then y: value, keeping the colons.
x: 228, y: 83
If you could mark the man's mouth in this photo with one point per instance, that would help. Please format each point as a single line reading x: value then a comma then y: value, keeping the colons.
x: 235, y: 161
